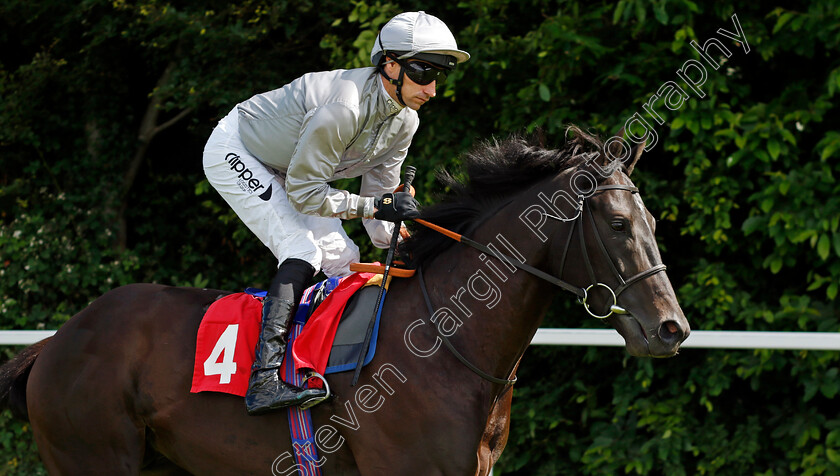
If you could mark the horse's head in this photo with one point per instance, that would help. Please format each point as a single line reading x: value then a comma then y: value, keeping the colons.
x: 610, y: 251
x: 600, y: 247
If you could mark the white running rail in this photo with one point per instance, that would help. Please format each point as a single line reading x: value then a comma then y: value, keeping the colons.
x: 609, y: 337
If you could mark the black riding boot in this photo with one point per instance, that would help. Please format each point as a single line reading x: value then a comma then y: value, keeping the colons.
x: 266, y: 391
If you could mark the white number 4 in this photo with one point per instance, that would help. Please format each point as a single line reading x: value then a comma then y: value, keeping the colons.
x: 226, y: 344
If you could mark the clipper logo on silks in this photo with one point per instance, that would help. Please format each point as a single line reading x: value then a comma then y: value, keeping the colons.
x: 246, y: 181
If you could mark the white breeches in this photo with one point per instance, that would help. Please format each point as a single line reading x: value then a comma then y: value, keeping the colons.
x: 257, y: 194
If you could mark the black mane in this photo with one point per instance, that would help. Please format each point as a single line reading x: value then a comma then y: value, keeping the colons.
x: 493, y: 173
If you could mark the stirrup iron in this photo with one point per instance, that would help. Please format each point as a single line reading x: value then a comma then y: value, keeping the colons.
x: 315, y: 401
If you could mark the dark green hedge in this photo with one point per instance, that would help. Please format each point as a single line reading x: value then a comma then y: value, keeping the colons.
x: 105, y: 107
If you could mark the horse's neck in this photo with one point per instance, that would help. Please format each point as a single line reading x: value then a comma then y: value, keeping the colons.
x: 500, y: 307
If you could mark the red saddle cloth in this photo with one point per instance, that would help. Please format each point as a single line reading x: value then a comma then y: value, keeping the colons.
x: 228, y: 335
x: 225, y: 344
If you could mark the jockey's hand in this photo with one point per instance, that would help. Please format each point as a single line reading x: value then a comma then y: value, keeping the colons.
x: 402, y: 188
x: 396, y: 207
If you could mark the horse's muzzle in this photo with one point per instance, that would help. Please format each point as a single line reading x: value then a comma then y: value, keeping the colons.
x: 660, y: 340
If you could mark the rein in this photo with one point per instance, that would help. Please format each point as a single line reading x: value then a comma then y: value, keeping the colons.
x: 449, y: 345
x: 581, y: 293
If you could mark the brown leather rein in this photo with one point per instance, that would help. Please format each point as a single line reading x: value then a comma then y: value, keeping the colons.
x: 581, y: 293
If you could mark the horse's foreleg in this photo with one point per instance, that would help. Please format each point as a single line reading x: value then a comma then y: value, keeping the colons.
x: 495, y: 434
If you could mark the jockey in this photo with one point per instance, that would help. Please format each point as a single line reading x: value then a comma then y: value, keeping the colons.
x: 272, y: 157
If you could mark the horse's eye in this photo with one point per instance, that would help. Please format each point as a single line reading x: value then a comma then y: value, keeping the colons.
x: 618, y: 225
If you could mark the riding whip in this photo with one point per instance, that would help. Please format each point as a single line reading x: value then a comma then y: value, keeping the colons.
x: 389, y: 259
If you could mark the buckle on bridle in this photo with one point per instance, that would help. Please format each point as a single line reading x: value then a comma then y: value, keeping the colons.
x: 579, y: 211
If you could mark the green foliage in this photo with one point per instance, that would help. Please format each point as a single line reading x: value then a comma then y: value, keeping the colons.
x: 105, y: 106
x: 20, y: 455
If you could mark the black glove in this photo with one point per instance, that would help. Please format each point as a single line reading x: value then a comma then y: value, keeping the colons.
x: 396, y: 207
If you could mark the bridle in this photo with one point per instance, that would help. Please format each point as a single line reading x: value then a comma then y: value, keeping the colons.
x: 624, y: 284
x: 582, y: 293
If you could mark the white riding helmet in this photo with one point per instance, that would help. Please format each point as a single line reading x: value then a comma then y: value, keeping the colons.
x: 418, y: 35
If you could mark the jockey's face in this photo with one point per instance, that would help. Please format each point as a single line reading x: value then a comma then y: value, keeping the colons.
x: 414, y: 95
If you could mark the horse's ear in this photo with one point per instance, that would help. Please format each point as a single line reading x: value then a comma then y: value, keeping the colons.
x: 616, y: 150
x: 635, y: 153
x: 615, y: 146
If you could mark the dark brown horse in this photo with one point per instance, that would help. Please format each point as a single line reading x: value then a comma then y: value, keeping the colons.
x: 109, y: 393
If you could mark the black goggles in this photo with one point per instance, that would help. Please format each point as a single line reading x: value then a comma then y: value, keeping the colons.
x: 421, y: 72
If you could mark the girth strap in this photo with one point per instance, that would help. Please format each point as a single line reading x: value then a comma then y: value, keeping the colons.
x: 449, y: 345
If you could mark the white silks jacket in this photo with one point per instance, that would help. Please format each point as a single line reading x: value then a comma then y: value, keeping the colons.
x: 326, y: 126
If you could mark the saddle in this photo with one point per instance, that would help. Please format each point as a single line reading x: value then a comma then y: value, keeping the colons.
x: 333, y: 314
x: 354, y: 319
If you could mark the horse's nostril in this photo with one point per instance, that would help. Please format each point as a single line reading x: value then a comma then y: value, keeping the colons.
x: 670, y: 332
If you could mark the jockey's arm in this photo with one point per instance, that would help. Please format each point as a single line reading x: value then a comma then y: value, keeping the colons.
x: 323, y: 139
x: 383, y: 179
